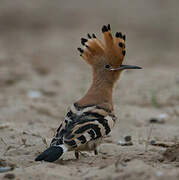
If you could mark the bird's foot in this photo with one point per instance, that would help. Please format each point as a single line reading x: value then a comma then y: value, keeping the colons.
x: 77, y: 154
x: 96, y: 152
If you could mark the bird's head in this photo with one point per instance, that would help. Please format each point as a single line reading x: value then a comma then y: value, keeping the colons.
x: 106, y: 59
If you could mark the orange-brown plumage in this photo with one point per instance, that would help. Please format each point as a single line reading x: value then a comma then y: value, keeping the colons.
x: 98, y: 55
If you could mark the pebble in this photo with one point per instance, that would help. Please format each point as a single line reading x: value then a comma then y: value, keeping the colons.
x: 126, y: 142
x: 152, y: 142
x: 5, y: 169
x: 123, y: 143
x: 9, y: 176
x: 160, y: 119
x: 34, y: 94
x: 127, y: 138
x: 163, y: 116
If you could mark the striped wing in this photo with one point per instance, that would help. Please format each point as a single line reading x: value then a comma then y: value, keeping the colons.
x: 87, y: 129
x: 82, y: 125
x: 58, y: 139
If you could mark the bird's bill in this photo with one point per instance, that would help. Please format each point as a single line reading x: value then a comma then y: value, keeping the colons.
x: 122, y: 67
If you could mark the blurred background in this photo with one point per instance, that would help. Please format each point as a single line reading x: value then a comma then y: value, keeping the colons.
x: 41, y: 36
x: 39, y: 40
x: 42, y: 25
x: 41, y: 72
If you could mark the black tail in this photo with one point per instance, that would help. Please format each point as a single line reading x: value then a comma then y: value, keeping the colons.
x: 51, y: 154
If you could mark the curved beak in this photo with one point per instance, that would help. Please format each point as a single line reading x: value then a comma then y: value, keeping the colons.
x: 122, y: 67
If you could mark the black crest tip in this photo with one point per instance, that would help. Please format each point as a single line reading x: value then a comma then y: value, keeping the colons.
x: 80, y: 50
x: 109, y: 27
x: 93, y: 35
x: 104, y: 29
x: 89, y: 36
x: 119, y: 35
x: 83, y: 41
x: 124, y: 37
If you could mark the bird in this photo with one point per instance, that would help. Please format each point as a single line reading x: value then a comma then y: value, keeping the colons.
x: 91, y: 118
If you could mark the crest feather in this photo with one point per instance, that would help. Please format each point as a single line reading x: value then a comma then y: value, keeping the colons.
x: 113, y: 48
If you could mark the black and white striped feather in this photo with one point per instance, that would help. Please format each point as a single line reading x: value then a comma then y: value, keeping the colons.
x: 83, y: 128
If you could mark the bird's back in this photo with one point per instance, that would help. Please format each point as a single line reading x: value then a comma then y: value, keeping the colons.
x: 84, y: 127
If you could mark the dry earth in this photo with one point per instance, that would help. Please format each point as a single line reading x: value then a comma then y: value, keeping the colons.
x: 41, y: 74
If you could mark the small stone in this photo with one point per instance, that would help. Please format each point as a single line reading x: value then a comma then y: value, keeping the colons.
x: 128, y: 144
x: 9, y: 176
x: 34, y: 94
x: 160, y: 119
x: 153, y: 120
x: 156, y: 120
x: 163, y: 116
x: 124, y: 143
x: 152, y: 142
x: 121, y: 143
x: 127, y: 138
x: 5, y: 169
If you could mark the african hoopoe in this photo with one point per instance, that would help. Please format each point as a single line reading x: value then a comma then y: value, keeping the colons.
x: 92, y: 117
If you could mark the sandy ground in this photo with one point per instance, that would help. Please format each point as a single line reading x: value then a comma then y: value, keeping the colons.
x: 41, y: 74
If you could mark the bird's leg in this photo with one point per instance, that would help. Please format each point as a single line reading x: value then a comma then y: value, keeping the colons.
x: 95, y: 150
x: 77, y: 154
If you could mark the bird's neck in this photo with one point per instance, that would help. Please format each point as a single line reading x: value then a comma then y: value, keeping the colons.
x: 100, y: 92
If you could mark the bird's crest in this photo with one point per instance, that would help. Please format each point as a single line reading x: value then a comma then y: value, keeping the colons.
x: 111, y: 51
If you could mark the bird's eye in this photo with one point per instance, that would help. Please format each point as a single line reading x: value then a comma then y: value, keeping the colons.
x: 107, y: 66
